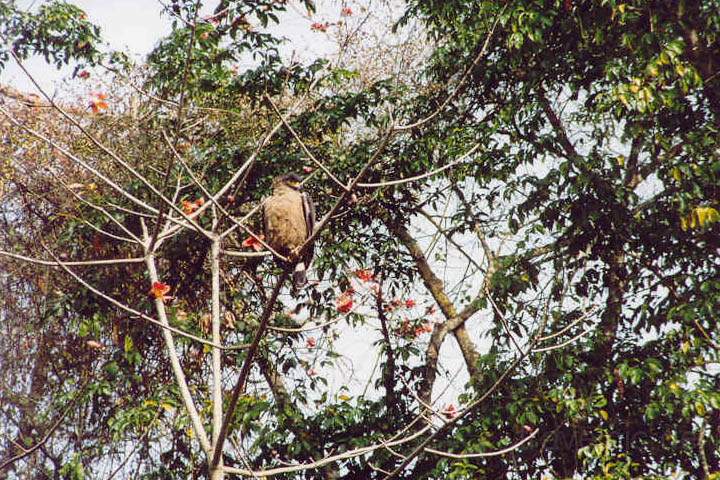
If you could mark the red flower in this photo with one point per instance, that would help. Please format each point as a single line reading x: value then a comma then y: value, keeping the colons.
x: 159, y: 290
x: 365, y: 275
x: 421, y: 329
x: 98, y: 103
x: 404, y: 328
x: 346, y: 12
x: 319, y: 27
x: 424, y: 328
x: 311, y: 342
x: 450, y: 411
x: 409, y: 303
x: 344, y: 302
x: 308, y: 169
x: 188, y: 207
x: 254, y: 243
x: 84, y: 74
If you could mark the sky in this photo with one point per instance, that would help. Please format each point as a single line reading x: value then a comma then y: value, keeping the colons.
x: 130, y: 25
x: 135, y: 26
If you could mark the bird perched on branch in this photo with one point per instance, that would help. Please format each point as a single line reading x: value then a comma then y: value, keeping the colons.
x: 289, y: 217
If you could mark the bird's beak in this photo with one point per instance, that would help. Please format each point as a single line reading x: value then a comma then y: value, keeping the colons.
x: 295, y: 185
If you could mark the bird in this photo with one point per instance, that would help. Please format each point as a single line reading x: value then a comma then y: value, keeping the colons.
x: 289, y: 220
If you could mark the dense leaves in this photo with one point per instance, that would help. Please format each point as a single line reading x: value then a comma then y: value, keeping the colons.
x: 567, y: 240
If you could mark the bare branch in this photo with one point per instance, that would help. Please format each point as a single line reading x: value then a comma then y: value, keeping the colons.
x: 217, y: 404
x: 496, y: 453
x: 236, y: 253
x: 64, y: 266
x: 245, y: 371
x: 567, y: 327
x: 431, y: 173
x: 565, y: 343
x: 38, y: 261
x: 327, y: 460
x: 107, y: 151
x: 461, y: 83
x: 175, y: 361
x: 303, y: 146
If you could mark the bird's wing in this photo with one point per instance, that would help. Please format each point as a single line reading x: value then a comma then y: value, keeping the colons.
x: 309, y: 211
x: 264, y: 214
x: 266, y: 219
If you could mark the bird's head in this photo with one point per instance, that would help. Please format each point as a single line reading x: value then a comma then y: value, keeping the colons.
x: 288, y: 180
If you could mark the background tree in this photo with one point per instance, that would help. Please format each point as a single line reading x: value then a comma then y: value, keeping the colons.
x: 538, y: 182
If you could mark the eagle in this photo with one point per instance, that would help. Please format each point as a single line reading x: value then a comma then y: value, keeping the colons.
x: 289, y: 219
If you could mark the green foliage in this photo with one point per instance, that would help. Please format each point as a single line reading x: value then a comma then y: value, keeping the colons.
x: 596, y: 183
x: 59, y: 31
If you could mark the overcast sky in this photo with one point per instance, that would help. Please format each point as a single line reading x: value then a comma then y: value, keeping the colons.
x: 135, y: 27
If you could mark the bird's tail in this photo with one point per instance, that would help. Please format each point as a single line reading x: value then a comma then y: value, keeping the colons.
x: 299, y: 276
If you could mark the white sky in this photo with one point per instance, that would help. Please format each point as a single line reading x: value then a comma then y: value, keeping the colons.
x: 135, y: 26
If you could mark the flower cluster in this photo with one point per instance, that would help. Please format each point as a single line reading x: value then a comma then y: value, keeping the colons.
x: 189, y: 207
x: 365, y: 275
x: 254, y: 242
x: 344, y: 302
x: 409, y: 329
x: 320, y: 27
x: 160, y: 290
x: 97, y: 102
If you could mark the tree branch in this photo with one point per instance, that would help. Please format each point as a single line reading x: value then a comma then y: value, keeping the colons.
x: 454, y: 322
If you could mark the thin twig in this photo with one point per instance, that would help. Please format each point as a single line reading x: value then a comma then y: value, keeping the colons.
x: 496, y: 453
x: 303, y: 146
x: 48, y: 434
x: 431, y: 173
x: 245, y: 370
x: 38, y: 261
x: 327, y: 460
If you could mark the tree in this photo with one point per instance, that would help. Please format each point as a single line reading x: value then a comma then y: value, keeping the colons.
x: 542, y: 189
